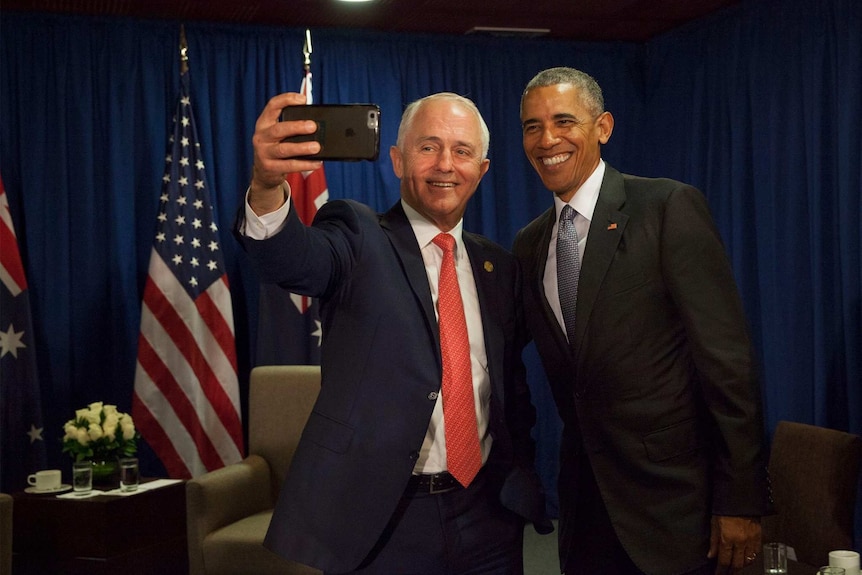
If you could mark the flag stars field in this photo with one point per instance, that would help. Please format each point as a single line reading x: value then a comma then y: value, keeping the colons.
x: 10, y: 341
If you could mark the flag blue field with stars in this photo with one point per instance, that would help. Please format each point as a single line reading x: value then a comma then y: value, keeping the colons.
x: 21, y: 431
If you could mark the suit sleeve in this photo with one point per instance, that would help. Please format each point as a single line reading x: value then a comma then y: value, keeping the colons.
x: 700, y: 280
x: 309, y: 260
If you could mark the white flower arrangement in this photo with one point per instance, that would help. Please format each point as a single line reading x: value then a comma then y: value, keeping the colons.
x: 100, y: 433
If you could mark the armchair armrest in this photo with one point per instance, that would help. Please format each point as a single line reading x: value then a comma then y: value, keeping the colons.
x: 222, y: 496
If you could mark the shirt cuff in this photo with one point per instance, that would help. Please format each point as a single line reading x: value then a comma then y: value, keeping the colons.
x: 262, y: 227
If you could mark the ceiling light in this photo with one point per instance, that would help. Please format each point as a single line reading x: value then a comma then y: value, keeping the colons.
x: 496, y: 31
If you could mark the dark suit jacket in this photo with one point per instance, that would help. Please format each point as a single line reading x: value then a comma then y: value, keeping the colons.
x: 381, y: 372
x: 659, y: 388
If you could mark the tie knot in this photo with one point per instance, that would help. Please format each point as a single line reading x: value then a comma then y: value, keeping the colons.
x: 568, y: 213
x: 445, y: 241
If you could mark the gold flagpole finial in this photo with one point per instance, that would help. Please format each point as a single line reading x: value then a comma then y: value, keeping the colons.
x: 184, y: 50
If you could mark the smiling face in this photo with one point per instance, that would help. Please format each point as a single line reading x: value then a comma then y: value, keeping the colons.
x: 440, y: 161
x: 561, y: 138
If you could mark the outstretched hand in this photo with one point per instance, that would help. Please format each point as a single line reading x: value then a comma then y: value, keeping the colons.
x: 273, y: 158
x: 735, y: 541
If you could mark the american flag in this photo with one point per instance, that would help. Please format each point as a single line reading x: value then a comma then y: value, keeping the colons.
x: 186, y: 401
x: 290, y: 332
x: 21, y: 430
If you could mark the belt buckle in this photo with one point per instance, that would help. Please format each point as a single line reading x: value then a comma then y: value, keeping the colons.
x: 434, y: 479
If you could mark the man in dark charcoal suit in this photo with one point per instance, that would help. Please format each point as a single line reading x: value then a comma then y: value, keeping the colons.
x: 648, y: 356
x: 373, y: 487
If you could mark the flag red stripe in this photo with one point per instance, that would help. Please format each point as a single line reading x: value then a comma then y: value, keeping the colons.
x: 158, y: 439
x: 10, y: 257
x: 162, y: 377
x: 185, y: 342
x: 217, y: 325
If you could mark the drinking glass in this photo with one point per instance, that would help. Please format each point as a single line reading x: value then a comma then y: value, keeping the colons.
x: 774, y: 558
x: 82, y: 477
x: 129, y: 474
x: 829, y: 570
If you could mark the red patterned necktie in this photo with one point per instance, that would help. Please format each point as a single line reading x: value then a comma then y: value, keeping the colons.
x: 463, y: 454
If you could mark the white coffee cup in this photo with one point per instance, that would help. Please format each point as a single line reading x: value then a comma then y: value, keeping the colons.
x: 849, y: 560
x: 45, y: 480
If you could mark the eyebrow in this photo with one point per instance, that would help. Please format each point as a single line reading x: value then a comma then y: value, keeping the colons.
x: 437, y: 140
x: 560, y: 116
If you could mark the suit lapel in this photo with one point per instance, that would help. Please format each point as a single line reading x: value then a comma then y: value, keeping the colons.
x: 397, y: 227
x: 606, y: 231
x: 541, y: 260
x: 486, y: 280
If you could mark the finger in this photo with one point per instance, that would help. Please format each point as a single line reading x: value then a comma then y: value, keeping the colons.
x: 740, y: 557
x: 272, y: 111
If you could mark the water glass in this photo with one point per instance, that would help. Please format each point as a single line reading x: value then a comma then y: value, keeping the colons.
x: 774, y: 558
x: 82, y: 477
x: 129, y: 474
x: 829, y: 570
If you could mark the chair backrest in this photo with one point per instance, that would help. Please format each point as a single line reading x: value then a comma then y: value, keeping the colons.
x: 5, y: 534
x: 814, y: 474
x: 280, y: 400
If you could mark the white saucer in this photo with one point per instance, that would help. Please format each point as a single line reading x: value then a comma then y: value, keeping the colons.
x: 61, y: 489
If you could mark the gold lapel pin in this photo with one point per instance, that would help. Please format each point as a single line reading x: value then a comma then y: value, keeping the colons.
x: 489, y: 267
x: 612, y: 226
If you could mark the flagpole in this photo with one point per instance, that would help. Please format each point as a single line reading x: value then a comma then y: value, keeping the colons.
x: 184, y: 51
x: 306, y: 51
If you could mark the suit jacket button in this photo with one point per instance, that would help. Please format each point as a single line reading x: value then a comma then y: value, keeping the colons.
x: 433, y: 396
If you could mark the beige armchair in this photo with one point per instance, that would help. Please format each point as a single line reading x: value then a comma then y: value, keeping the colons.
x: 5, y: 534
x: 229, y: 509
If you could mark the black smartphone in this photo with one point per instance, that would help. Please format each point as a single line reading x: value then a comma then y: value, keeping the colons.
x: 346, y: 132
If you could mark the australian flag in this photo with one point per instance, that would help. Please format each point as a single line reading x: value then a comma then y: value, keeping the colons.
x: 21, y: 429
x: 289, y: 331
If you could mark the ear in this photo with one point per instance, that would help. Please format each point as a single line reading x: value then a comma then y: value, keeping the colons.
x: 395, y: 156
x: 483, y: 168
x: 605, y: 125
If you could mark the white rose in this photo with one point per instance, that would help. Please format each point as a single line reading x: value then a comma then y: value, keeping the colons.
x: 82, y: 436
x: 128, y: 428
x: 110, y: 426
x: 94, y: 416
x: 71, y: 430
x: 110, y: 410
x: 81, y: 413
x: 95, y: 431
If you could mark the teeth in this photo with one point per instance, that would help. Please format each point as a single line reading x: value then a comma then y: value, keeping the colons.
x: 558, y: 159
x: 443, y: 184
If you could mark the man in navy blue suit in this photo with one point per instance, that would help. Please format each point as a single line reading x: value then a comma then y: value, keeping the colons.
x: 662, y: 463
x: 369, y: 490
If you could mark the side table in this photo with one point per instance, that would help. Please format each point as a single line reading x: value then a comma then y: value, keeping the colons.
x: 139, y: 534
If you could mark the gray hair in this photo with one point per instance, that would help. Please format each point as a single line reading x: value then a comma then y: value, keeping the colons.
x: 588, y: 89
x: 410, y: 114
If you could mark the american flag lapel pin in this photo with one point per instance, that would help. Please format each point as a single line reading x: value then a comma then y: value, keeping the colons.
x: 612, y: 226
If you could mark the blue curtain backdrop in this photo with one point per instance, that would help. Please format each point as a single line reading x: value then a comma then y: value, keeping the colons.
x: 759, y: 106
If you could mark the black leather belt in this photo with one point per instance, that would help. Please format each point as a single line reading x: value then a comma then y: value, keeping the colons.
x: 432, y: 483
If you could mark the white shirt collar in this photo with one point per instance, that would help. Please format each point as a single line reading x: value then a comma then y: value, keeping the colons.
x: 426, y: 231
x: 584, y: 200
